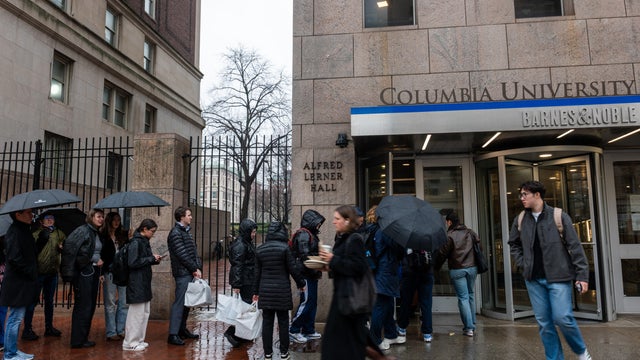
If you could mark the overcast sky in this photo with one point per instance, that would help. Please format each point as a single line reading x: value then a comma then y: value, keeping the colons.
x: 264, y: 26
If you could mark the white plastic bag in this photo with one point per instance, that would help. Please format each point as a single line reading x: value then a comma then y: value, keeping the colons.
x: 249, y: 322
x: 226, y: 311
x: 198, y: 294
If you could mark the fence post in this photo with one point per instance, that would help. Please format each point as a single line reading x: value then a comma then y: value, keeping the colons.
x: 161, y: 169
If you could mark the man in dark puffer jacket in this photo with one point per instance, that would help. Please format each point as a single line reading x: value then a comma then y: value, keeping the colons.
x: 185, y: 266
x: 274, y: 264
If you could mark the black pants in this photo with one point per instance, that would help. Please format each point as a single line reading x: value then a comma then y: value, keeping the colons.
x: 267, y: 330
x: 85, y: 291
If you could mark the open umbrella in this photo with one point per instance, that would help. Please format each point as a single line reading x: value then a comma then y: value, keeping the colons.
x: 38, y: 199
x: 411, y: 222
x: 66, y: 219
x: 130, y: 199
x: 5, y: 222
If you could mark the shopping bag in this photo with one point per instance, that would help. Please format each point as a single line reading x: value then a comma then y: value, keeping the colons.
x: 226, y: 311
x: 249, y: 323
x: 198, y: 294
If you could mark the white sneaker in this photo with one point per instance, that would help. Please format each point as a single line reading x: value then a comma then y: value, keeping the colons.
x: 145, y: 344
x: 585, y: 356
x: 384, y: 345
x: 138, y: 347
x: 397, y: 340
x: 297, y: 338
x: 314, y: 336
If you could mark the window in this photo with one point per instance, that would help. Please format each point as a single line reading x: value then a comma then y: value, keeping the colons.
x: 543, y: 8
x: 150, y: 8
x: 60, y: 76
x: 149, y: 50
x: 60, y: 3
x: 113, y: 178
x: 115, y: 105
x: 381, y: 13
x: 56, y: 155
x: 111, y: 27
x: 149, y: 119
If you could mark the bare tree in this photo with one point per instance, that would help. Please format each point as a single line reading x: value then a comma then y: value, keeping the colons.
x: 250, y: 102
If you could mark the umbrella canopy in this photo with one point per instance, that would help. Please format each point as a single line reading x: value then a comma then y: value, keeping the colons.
x: 5, y: 222
x: 411, y: 222
x: 66, y: 219
x: 130, y: 199
x: 38, y: 199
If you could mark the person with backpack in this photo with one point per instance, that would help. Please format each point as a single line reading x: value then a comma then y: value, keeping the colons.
x: 416, y: 275
x: 140, y: 258
x: 458, y: 251
x: 49, y: 241
x: 113, y: 238
x: 242, y: 256
x: 305, y: 243
x: 272, y: 287
x: 552, y: 263
x: 387, y: 285
x: 82, y: 263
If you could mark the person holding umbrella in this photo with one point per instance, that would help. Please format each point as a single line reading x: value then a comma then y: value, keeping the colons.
x: 20, y: 281
x: 49, y: 241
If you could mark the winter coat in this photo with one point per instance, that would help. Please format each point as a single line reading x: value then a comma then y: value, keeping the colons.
x: 109, y: 249
x: 139, y: 258
x: 274, y: 264
x: 182, y: 248
x: 561, y: 263
x: 458, y: 250
x: 306, y: 243
x: 20, y: 284
x: 77, y: 250
x: 48, y: 243
x: 242, y: 256
x: 386, y: 274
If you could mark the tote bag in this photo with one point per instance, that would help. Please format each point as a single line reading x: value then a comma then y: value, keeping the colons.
x: 249, y: 322
x: 198, y: 294
x: 358, y: 295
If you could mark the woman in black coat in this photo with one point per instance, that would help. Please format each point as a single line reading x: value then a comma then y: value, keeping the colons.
x: 274, y: 264
x: 139, y: 259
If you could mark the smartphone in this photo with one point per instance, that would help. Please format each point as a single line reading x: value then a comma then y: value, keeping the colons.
x: 579, y: 287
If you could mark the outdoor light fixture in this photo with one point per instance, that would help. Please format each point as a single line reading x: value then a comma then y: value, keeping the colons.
x: 382, y: 4
x: 624, y: 136
x: 426, y: 142
x: 342, y: 140
x: 490, y: 140
x: 565, y: 134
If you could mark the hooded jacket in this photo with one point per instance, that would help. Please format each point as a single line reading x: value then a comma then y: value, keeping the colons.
x: 242, y: 255
x: 274, y: 264
x: 139, y: 259
x: 305, y: 244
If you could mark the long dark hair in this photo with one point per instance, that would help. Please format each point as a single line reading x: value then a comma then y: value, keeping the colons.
x: 146, y: 224
x: 120, y: 233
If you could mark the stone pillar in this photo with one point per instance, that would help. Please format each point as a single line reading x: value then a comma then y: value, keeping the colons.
x: 160, y: 168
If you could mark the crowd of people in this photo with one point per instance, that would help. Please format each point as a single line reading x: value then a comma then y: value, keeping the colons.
x: 262, y: 275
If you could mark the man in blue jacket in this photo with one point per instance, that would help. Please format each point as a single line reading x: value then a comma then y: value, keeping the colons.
x: 552, y: 264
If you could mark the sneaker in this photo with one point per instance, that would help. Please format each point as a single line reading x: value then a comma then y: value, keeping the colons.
x: 268, y: 356
x: 138, y: 347
x: 468, y: 333
x: 427, y: 337
x: 24, y: 356
x: 285, y: 356
x: 401, y: 331
x: 297, y: 338
x: 585, y: 355
x: 28, y: 334
x: 314, y: 336
x: 384, y: 345
x: 145, y: 344
x: 397, y: 340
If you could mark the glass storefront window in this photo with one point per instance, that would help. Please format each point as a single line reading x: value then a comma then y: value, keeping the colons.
x: 627, y: 185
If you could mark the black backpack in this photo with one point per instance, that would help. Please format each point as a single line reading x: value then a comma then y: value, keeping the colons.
x: 120, y: 266
x: 370, y: 247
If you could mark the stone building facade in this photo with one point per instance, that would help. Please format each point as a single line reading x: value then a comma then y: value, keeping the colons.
x: 459, y: 102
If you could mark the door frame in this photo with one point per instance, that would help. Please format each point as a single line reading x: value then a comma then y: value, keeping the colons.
x: 449, y: 304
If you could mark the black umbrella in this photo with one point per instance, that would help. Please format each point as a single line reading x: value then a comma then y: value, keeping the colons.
x: 411, y: 222
x: 66, y: 219
x: 38, y: 199
x: 130, y: 199
x: 5, y: 222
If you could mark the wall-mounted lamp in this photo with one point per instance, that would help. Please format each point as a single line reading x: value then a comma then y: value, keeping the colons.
x: 342, y: 140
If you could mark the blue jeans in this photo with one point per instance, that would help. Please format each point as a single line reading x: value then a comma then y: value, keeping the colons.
x: 464, y: 281
x: 382, y: 317
x: 48, y: 284
x: 552, y: 306
x: 16, y: 314
x: 115, y: 310
x: 305, y: 318
x: 3, y: 316
x: 422, y: 281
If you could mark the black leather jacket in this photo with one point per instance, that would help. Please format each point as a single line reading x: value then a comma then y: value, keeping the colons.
x: 77, y: 251
x: 306, y: 243
x: 183, y: 252
x: 242, y: 255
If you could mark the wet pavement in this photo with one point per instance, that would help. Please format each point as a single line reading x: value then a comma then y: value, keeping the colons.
x: 494, y: 339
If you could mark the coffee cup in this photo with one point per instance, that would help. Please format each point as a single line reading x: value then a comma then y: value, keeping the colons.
x: 327, y: 248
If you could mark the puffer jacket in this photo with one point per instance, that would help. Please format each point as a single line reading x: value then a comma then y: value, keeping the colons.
x: 561, y: 263
x: 458, y: 250
x: 183, y: 252
x: 77, y: 251
x: 305, y: 244
x: 242, y: 256
x: 139, y: 259
x: 274, y: 264
x: 48, y: 243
